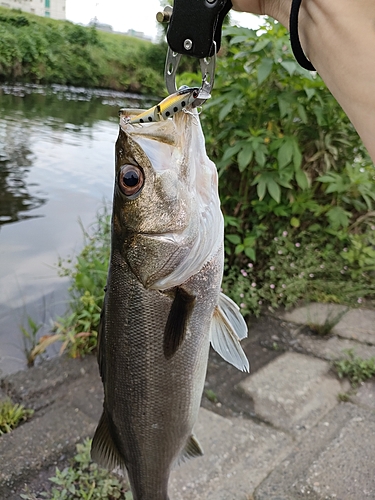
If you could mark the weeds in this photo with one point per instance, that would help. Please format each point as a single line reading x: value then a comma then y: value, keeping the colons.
x: 78, y: 329
x: 83, y: 480
x: 30, y: 340
x: 12, y: 415
x: 290, y: 268
x: 211, y: 396
x: 330, y: 322
x: 354, y: 368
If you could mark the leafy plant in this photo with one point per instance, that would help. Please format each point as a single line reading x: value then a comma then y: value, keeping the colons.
x: 83, y: 480
x: 354, y: 368
x: 211, y: 395
x: 288, y: 157
x: 30, y: 338
x: 77, y: 330
x: 12, y: 415
x: 296, y: 268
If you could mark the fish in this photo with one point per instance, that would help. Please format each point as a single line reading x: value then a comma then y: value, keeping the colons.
x: 180, y: 100
x: 163, y: 304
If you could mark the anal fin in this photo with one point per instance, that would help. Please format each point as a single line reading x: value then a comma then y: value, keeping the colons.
x: 192, y: 449
x: 177, y: 321
x: 103, y: 449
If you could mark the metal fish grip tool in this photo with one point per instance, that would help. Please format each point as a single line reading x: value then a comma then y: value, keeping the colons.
x: 194, y: 29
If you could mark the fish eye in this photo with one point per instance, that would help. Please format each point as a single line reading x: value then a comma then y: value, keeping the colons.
x: 131, y: 179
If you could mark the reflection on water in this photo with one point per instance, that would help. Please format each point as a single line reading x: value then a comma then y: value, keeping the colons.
x: 16, y: 195
x: 56, y: 167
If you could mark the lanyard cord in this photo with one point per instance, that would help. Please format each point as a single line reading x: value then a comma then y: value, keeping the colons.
x: 294, y: 37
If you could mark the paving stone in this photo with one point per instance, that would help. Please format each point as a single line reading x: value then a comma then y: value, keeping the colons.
x: 353, y: 324
x: 357, y: 324
x: 38, y: 386
x: 239, y: 454
x: 365, y: 395
x: 293, y: 392
x: 333, y: 348
x: 334, y: 461
x: 314, y: 313
x: 40, y: 442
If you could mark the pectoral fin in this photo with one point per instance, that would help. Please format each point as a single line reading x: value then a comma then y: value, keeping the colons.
x: 235, y: 318
x: 224, y: 338
x: 177, y: 321
x: 103, y: 449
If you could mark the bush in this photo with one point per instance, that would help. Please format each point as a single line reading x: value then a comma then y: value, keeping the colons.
x: 289, y: 161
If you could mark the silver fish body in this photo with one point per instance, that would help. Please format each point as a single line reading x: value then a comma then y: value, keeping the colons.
x: 163, y: 305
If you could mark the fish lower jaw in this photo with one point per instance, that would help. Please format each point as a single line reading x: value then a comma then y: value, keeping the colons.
x: 175, y: 237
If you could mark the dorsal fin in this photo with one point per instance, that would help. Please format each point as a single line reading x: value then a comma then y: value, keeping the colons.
x: 177, y: 321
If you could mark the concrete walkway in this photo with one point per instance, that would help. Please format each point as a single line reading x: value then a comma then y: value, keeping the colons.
x: 302, y: 442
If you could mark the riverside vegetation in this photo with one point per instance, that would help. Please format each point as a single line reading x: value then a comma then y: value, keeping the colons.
x: 35, y: 49
x: 296, y: 184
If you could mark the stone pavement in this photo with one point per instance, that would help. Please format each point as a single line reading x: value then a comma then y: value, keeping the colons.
x: 301, y: 442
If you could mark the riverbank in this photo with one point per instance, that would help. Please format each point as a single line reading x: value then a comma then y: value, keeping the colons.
x: 40, y: 50
x: 283, y: 432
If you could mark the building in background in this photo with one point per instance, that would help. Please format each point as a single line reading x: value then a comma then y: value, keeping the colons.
x: 45, y: 8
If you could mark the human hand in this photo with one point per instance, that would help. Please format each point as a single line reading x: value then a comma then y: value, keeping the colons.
x: 278, y: 9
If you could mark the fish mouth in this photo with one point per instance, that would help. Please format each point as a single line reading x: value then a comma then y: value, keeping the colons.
x: 170, y: 237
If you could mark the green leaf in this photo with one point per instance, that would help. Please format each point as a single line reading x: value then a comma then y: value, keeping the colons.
x: 297, y: 156
x: 285, y: 153
x: 261, y: 188
x: 245, y: 156
x: 284, y: 106
x: 250, y: 253
x: 274, y: 189
x: 315, y: 227
x: 302, y: 113
x: 225, y: 110
x: 302, y: 180
x: 264, y: 69
x: 309, y: 93
x: 260, y: 157
x: 338, y: 217
x: 232, y: 150
x: 238, y: 39
x: 239, y: 249
x: 233, y: 238
x: 294, y: 222
x: 261, y: 44
x: 290, y: 66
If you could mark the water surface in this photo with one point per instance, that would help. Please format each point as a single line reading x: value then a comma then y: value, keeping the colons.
x: 56, y: 168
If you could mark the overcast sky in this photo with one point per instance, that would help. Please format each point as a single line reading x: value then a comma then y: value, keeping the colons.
x: 123, y: 15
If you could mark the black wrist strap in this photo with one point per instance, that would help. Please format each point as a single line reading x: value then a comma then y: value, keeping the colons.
x: 294, y: 37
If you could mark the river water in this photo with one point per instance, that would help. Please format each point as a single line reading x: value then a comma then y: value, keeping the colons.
x: 56, y: 168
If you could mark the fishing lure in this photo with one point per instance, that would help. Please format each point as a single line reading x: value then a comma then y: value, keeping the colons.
x: 169, y: 106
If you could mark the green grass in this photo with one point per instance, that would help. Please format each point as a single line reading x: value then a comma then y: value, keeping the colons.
x: 83, y: 480
x: 12, y: 415
x: 354, y: 368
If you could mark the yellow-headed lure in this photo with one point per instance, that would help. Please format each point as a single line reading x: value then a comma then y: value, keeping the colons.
x: 168, y: 106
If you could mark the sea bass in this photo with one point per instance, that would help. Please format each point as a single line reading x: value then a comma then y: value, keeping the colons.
x: 163, y: 305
